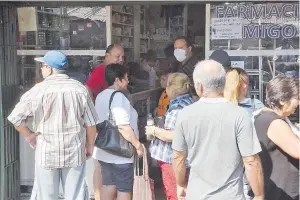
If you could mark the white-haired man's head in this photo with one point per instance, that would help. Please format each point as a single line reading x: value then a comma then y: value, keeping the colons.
x: 209, y: 78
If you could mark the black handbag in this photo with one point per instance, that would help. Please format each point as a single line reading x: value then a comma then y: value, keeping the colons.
x: 110, y: 139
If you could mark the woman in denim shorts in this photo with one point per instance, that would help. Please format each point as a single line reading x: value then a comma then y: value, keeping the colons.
x: 117, y: 172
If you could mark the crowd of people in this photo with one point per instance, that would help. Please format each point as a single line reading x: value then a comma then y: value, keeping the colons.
x: 214, y: 143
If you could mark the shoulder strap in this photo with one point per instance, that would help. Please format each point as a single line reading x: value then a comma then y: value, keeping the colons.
x: 110, y: 101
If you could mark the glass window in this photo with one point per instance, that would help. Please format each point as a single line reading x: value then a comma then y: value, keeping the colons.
x: 239, y: 26
x: 62, y: 28
x: 245, y: 62
x: 79, y: 68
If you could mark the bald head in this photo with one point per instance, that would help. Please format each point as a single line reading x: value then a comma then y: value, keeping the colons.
x: 210, y: 75
x: 114, y: 54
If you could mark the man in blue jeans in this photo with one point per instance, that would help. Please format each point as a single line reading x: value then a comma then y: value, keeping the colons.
x: 63, y: 120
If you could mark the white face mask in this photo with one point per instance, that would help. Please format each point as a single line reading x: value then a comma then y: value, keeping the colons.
x: 180, y: 54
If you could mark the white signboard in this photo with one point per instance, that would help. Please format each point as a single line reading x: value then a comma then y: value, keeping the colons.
x: 27, y: 19
x: 226, y: 28
x: 238, y: 64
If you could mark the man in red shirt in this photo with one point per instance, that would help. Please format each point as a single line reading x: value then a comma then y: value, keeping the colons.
x: 114, y: 54
x: 96, y: 84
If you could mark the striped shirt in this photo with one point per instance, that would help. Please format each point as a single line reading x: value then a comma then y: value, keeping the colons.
x: 161, y: 150
x: 59, y: 109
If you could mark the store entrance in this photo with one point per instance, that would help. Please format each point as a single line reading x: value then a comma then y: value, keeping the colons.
x: 83, y: 33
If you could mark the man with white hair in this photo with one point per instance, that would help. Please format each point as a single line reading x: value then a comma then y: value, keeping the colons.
x: 218, y: 138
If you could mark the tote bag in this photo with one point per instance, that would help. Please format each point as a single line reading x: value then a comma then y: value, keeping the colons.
x: 143, y: 186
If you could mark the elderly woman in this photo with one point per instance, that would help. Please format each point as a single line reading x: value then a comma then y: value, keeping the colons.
x: 160, y: 148
x: 117, y: 172
x: 280, y: 155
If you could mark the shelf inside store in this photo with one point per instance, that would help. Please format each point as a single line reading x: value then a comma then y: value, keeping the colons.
x: 161, y: 41
x: 53, y: 29
x: 143, y: 38
x: 126, y: 36
x: 122, y: 24
x: 121, y: 12
x: 252, y: 72
x: 254, y: 91
x: 50, y: 13
x: 37, y: 46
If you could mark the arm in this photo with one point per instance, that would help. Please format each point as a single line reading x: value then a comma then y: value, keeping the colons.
x: 24, y: 130
x: 166, y: 134
x: 249, y: 147
x: 163, y: 134
x: 179, y: 146
x: 127, y: 132
x: 29, y: 136
x: 254, y: 174
x: 19, y: 116
x: 282, y: 135
x: 120, y: 108
x: 179, y: 167
x: 90, y: 135
x: 90, y: 118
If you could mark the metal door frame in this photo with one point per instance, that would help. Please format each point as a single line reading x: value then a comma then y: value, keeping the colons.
x: 9, y: 93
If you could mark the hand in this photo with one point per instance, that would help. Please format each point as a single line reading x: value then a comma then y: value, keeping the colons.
x: 150, y: 130
x: 139, y: 150
x: 89, y: 150
x: 181, y: 192
x: 31, y: 139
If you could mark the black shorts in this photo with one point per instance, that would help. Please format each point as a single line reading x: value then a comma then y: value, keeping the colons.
x: 120, y: 175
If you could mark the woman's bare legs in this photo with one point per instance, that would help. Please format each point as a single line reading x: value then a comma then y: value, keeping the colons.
x: 124, y: 196
x: 97, y: 180
x: 108, y: 192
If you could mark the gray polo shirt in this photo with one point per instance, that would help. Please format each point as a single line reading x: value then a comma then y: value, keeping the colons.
x: 216, y: 134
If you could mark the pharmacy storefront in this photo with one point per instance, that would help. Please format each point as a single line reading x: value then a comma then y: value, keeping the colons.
x: 262, y: 38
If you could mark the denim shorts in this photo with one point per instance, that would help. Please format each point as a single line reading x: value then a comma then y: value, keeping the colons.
x: 120, y: 175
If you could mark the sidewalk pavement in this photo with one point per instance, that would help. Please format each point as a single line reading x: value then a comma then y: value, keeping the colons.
x: 159, y: 195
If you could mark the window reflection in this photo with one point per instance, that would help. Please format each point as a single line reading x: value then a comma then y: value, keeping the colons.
x: 62, y: 28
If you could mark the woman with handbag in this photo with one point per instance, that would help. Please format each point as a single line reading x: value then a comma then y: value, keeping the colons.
x: 178, y: 91
x: 117, y: 127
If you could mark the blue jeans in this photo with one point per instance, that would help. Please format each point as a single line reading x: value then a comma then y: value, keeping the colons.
x: 46, y: 183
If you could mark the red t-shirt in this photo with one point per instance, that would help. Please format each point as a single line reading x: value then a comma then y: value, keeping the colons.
x: 96, y: 82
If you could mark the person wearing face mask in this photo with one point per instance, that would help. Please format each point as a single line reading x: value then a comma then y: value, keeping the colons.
x: 63, y: 129
x: 183, y: 54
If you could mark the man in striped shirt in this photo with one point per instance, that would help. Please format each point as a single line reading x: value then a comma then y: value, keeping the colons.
x: 63, y: 120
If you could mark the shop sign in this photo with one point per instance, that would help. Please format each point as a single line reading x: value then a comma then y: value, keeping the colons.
x: 238, y: 64
x: 255, y: 21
